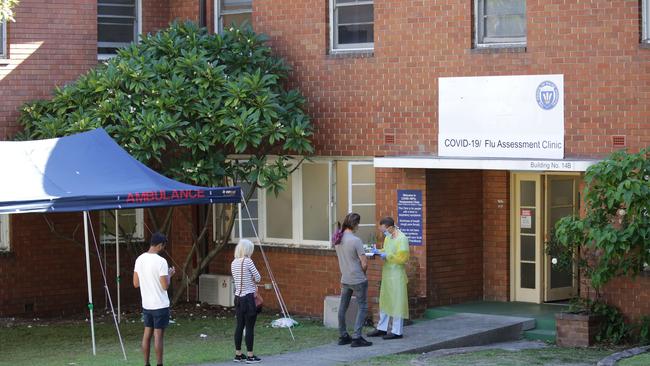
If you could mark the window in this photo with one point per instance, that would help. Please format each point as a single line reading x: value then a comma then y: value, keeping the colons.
x: 361, y: 197
x: 645, y: 20
x: 3, y: 39
x: 250, y: 224
x: 500, y: 22
x: 352, y: 24
x: 118, y: 24
x: 4, y: 233
x: 306, y: 211
x: 131, y: 223
x: 231, y: 12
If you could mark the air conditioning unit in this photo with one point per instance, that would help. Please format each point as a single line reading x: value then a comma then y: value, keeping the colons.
x: 217, y: 289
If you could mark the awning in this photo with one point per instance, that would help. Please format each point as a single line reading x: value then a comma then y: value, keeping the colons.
x: 516, y: 164
x: 89, y: 171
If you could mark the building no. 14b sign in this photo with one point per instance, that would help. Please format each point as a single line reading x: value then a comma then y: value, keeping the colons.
x: 501, y: 116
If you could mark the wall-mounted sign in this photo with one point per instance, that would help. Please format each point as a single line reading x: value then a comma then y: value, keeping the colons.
x: 501, y: 116
x: 409, y: 215
x: 526, y: 219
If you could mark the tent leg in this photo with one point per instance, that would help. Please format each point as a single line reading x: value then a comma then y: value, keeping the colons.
x: 241, y: 229
x: 90, y: 287
x: 117, y: 265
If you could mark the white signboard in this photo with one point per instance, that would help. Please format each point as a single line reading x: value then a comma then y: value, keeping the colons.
x: 501, y: 116
x: 526, y: 219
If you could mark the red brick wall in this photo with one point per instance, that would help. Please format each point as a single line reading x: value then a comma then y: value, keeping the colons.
x: 395, y: 89
x: 49, y: 272
x: 155, y: 15
x: 631, y: 296
x: 454, y: 241
x: 184, y: 10
x: 496, y: 235
x: 304, y: 276
x: 50, y: 44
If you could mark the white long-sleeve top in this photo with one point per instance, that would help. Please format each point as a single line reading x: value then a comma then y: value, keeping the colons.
x: 244, y: 284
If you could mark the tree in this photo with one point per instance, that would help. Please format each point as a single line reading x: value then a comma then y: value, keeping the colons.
x: 184, y: 102
x: 6, y: 10
x: 614, y: 233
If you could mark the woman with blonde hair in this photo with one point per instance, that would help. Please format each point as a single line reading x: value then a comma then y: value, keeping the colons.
x: 245, y: 276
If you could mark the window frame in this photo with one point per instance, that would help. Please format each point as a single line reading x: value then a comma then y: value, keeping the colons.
x: 136, y: 36
x: 645, y: 21
x: 353, y: 47
x: 218, y: 15
x: 479, y: 37
x: 5, y: 233
x: 4, y: 41
x: 139, y: 227
x: 351, y: 205
x: 297, y: 238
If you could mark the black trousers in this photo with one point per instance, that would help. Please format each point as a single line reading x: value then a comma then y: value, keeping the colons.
x: 246, y: 316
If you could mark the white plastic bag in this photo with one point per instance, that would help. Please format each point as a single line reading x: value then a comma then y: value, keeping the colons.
x: 283, y: 323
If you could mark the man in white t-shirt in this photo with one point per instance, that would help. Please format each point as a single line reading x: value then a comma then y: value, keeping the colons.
x: 152, y: 276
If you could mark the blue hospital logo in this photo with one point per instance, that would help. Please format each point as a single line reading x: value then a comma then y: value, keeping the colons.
x: 547, y: 95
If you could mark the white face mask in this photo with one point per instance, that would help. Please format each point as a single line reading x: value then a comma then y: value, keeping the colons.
x: 386, y: 233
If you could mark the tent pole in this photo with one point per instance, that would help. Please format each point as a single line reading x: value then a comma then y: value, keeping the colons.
x: 241, y: 230
x: 117, y: 265
x: 90, y: 287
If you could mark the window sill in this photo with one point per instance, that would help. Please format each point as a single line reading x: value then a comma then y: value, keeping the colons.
x: 499, y: 49
x: 642, y: 45
x: 367, y: 53
x: 4, y: 62
x: 297, y: 249
x: 7, y: 254
x: 105, y: 57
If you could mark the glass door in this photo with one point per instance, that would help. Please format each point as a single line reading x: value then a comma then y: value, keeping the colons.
x: 561, y: 200
x: 527, y: 238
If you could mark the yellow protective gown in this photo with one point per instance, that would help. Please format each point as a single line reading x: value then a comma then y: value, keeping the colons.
x: 393, y: 296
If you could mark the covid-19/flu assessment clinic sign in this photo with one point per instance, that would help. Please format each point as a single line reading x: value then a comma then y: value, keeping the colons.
x: 501, y: 116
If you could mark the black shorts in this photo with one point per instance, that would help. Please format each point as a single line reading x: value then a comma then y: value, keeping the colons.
x: 157, y: 319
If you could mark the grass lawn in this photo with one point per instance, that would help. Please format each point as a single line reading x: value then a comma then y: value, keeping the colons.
x: 69, y: 344
x: 551, y: 356
x: 640, y: 360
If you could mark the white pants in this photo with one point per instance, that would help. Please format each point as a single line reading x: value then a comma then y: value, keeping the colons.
x: 383, y: 323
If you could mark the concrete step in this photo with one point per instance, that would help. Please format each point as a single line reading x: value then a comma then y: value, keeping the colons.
x: 540, y: 335
x: 453, y: 331
x: 529, y: 323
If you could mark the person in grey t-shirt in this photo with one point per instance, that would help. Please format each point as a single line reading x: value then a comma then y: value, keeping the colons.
x: 353, y: 264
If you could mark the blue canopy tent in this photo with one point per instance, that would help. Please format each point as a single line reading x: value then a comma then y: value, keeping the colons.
x: 85, y: 172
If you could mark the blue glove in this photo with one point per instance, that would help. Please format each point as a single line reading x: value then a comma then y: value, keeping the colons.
x: 382, y: 255
x: 374, y: 251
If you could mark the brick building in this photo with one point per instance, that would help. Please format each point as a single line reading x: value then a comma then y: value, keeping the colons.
x: 398, y: 93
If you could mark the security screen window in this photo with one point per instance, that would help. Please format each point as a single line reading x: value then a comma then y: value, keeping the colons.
x: 352, y: 24
x: 645, y: 21
x: 250, y: 217
x: 116, y: 25
x: 4, y: 233
x: 316, y: 201
x: 500, y: 22
x: 131, y: 223
x: 234, y: 13
x: 3, y: 39
x: 279, y: 212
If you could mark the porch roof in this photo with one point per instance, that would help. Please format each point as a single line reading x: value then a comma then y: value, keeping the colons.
x: 518, y: 164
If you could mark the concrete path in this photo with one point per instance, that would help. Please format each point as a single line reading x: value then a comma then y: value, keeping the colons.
x: 460, y: 330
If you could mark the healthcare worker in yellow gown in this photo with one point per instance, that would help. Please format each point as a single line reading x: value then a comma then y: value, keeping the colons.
x: 393, y: 297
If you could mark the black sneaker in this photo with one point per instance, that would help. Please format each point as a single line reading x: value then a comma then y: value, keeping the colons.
x: 377, y: 333
x: 253, y: 359
x: 392, y: 336
x: 360, y: 342
x: 239, y: 358
x: 346, y: 339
